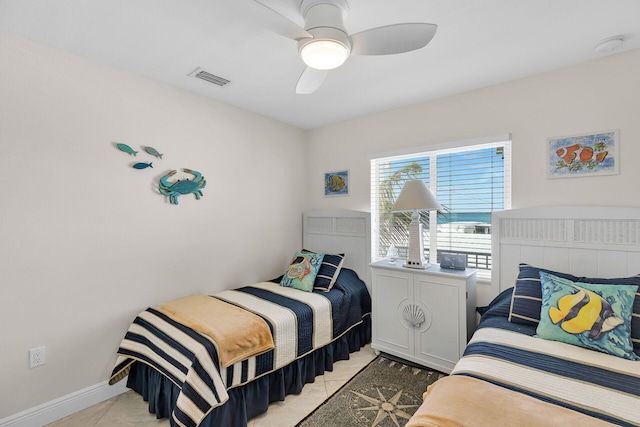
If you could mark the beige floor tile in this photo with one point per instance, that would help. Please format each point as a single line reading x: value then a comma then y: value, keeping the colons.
x: 333, y: 386
x: 130, y: 410
x: 88, y: 417
x: 346, y: 369
x: 294, y: 408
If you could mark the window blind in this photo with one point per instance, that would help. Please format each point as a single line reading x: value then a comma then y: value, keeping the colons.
x: 469, y: 180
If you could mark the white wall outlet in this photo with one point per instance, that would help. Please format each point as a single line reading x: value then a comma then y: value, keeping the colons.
x: 36, y: 357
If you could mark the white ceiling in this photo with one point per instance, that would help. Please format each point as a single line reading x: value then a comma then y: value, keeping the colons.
x: 478, y: 43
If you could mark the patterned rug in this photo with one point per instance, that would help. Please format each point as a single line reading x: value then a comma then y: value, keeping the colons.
x: 384, y: 394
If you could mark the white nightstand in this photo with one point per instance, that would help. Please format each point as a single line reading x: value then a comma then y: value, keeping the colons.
x: 424, y: 316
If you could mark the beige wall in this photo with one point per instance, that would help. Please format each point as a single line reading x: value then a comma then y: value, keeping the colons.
x: 595, y: 96
x: 86, y: 241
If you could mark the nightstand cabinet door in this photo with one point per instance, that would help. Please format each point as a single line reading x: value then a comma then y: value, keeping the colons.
x: 438, y: 343
x: 392, y: 292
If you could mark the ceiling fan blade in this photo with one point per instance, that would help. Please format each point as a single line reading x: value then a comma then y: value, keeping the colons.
x: 310, y: 80
x: 278, y: 23
x: 390, y: 39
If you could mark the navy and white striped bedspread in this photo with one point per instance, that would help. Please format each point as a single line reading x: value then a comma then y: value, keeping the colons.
x: 299, y: 321
x: 597, y: 384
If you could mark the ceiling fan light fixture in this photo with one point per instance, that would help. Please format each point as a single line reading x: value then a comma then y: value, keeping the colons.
x: 324, y: 54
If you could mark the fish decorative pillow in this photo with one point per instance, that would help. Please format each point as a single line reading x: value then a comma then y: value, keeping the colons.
x: 302, y: 271
x: 593, y: 316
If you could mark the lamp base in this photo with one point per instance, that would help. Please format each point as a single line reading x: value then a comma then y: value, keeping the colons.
x: 423, y: 266
x: 416, y: 252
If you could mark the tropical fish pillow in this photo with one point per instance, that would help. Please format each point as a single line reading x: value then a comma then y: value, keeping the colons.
x: 593, y: 316
x: 302, y: 271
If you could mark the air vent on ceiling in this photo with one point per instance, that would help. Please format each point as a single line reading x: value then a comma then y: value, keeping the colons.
x: 206, y: 76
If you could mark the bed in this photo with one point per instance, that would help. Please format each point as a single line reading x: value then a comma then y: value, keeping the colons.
x: 196, y: 366
x: 528, y: 363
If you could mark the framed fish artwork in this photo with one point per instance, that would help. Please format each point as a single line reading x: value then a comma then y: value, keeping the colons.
x: 336, y: 183
x: 587, y: 154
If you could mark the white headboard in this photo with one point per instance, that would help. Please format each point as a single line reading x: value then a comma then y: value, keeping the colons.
x: 580, y: 240
x: 341, y: 232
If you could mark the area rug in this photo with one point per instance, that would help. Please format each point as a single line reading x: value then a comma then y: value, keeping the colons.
x: 384, y: 394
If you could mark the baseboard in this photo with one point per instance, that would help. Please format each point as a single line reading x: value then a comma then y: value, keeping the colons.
x: 65, y: 405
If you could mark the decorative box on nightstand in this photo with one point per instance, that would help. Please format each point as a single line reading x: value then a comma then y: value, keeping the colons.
x: 424, y: 316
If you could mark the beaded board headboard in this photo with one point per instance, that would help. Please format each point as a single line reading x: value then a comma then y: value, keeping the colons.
x: 580, y: 240
x: 341, y: 231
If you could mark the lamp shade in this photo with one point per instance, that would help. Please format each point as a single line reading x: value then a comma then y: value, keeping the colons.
x: 415, y: 195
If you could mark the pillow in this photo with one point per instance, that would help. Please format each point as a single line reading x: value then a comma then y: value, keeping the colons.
x: 592, y: 316
x: 302, y: 271
x: 526, y: 300
x: 329, y: 270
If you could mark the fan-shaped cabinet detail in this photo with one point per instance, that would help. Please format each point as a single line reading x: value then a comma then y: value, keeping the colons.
x: 423, y: 316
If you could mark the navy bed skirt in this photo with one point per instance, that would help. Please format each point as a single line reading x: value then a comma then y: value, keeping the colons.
x: 251, y: 399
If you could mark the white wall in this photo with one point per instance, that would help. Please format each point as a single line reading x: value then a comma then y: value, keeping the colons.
x: 86, y: 241
x: 596, y: 96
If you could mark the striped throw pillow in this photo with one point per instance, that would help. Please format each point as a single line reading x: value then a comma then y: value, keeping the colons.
x: 329, y: 270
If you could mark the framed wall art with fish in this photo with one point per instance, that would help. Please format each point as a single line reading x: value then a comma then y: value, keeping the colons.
x: 336, y: 183
x: 583, y: 155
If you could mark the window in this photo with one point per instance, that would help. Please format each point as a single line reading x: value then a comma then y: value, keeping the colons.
x: 470, y: 179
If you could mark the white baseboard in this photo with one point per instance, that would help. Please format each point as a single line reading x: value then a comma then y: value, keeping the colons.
x: 65, y: 405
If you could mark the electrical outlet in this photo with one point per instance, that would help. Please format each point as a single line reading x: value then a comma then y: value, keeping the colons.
x: 36, y: 357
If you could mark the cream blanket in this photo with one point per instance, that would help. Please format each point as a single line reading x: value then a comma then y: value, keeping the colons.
x: 238, y: 334
x: 460, y: 401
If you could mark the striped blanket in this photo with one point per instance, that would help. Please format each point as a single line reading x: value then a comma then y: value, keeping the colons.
x: 599, y: 385
x: 300, y: 322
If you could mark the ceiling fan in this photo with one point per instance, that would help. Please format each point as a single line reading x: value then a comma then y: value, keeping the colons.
x: 323, y: 43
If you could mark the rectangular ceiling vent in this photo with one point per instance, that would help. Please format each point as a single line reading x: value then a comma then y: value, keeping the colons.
x: 206, y: 76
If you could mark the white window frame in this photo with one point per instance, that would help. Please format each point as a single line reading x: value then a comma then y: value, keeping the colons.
x: 433, y: 151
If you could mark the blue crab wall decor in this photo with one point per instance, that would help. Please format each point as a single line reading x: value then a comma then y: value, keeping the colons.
x: 176, y: 189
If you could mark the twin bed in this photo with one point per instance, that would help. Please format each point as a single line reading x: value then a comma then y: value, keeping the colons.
x: 518, y: 369
x: 173, y: 355
x: 512, y: 373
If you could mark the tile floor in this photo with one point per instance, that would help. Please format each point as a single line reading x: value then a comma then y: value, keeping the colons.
x: 128, y: 409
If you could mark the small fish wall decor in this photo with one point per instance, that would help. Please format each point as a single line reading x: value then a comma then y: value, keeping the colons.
x: 127, y: 149
x: 142, y: 165
x: 150, y: 150
x: 153, y: 152
x: 172, y: 190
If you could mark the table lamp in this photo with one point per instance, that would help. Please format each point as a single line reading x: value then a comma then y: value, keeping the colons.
x: 415, y: 196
